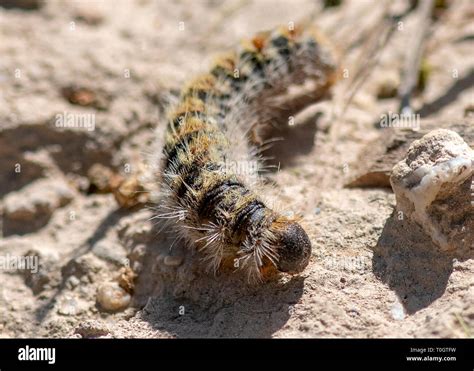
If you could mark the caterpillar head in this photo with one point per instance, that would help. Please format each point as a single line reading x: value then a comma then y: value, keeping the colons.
x: 294, y: 247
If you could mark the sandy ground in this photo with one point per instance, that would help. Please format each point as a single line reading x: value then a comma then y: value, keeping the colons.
x: 369, y: 275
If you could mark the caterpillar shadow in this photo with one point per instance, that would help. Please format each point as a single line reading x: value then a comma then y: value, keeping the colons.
x: 293, y: 143
x: 188, y: 303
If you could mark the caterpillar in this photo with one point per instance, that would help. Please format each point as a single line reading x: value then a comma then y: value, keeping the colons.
x: 220, y: 122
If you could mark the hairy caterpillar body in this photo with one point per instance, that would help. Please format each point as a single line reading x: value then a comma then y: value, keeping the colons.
x: 207, y: 199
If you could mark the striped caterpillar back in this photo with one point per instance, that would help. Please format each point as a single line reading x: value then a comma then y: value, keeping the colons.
x: 209, y: 163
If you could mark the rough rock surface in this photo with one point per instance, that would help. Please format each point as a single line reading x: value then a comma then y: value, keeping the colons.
x: 433, y: 188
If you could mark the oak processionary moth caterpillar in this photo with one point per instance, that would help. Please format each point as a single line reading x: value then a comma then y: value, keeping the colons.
x: 210, y: 157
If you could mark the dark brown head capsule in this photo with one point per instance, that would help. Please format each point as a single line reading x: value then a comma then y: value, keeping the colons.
x: 294, y: 248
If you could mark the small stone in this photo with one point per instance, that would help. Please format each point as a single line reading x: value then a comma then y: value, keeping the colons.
x: 112, y: 298
x: 92, y: 329
x: 354, y: 312
x: 131, y: 192
x: 72, y: 282
x: 398, y: 313
x: 39, y: 278
x: 86, y: 97
x: 173, y: 261
x: 81, y: 183
x: 101, y: 178
x: 70, y: 307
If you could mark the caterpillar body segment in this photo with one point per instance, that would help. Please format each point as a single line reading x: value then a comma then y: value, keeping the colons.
x: 209, y: 163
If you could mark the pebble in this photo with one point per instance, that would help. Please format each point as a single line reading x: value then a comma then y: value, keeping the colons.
x: 173, y: 261
x: 69, y: 308
x: 73, y: 282
x: 111, y: 297
x: 39, y: 278
x: 92, y: 329
x: 99, y: 177
x: 398, y: 313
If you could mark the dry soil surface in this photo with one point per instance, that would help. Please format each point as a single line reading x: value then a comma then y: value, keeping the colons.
x: 370, y: 275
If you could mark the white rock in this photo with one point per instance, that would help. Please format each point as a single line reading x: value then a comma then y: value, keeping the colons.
x: 432, y: 187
